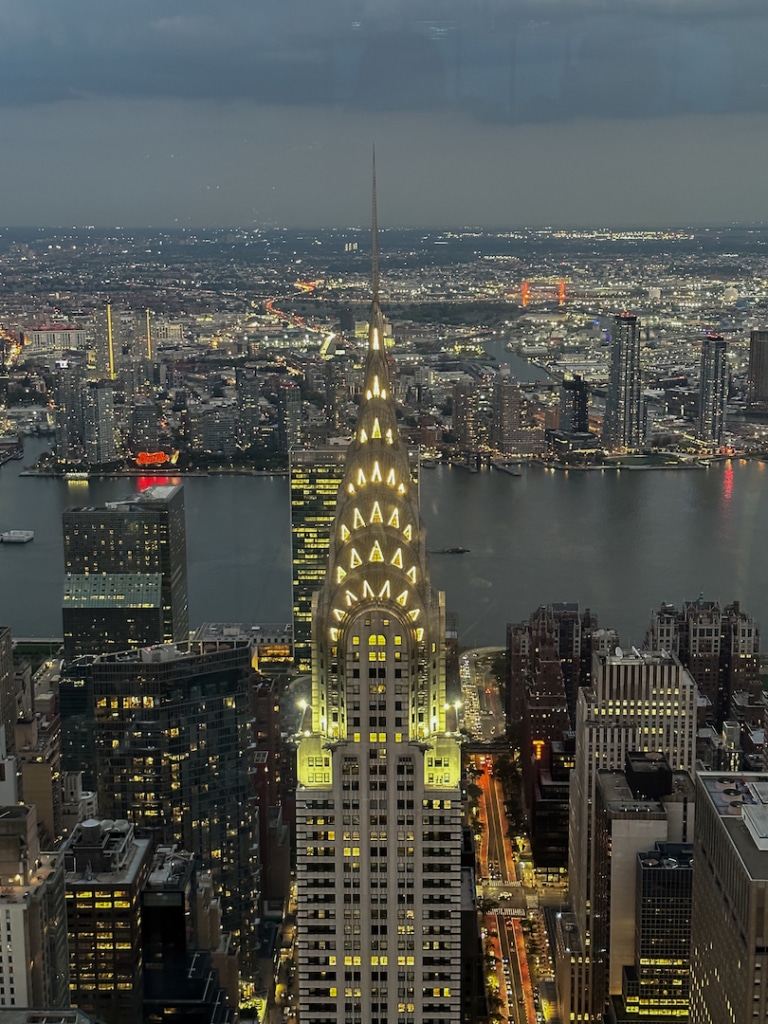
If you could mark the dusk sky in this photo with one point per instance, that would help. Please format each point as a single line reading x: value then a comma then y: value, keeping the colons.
x: 262, y: 113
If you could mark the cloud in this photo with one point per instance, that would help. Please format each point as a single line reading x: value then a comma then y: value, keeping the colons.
x: 514, y: 61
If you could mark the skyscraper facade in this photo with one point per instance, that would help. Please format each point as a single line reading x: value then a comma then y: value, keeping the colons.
x: 729, y: 918
x: 141, y: 535
x: 99, y: 437
x: 757, y: 373
x: 574, y: 405
x: 637, y: 701
x: 315, y: 478
x: 378, y: 801
x: 175, y: 755
x: 713, y: 388
x: 623, y: 423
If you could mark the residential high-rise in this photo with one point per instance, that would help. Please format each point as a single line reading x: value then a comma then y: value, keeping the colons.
x: 139, y: 536
x: 757, y: 373
x: 288, y: 415
x: 315, y: 477
x: 69, y: 412
x: 467, y: 420
x: 623, y: 423
x: 574, y: 405
x: 378, y: 802
x: 506, y: 411
x: 713, y: 387
x: 636, y: 701
x: 729, y: 919
x: 99, y: 435
x: 175, y: 755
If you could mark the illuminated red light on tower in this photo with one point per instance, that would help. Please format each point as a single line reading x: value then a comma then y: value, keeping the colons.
x: 526, y: 293
x: 561, y: 296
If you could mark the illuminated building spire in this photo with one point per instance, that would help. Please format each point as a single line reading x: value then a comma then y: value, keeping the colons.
x: 375, y: 763
x: 377, y: 552
x: 374, y: 240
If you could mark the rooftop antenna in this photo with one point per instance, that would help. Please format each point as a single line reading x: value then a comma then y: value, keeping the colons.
x: 374, y: 239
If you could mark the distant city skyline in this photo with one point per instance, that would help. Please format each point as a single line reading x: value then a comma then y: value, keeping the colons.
x: 492, y: 114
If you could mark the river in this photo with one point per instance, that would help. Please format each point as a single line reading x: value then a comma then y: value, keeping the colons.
x: 618, y: 543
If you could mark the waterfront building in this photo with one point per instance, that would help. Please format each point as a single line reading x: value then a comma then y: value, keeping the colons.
x: 212, y: 429
x: 506, y: 410
x: 636, y: 701
x: 144, y: 430
x: 713, y: 389
x: 574, y: 405
x: 99, y: 431
x: 106, y: 865
x: 757, y: 372
x: 622, y: 425
x: 467, y: 420
x: 69, y: 412
x: 33, y: 956
x: 315, y: 477
x: 248, y: 388
x: 175, y: 755
x: 729, y: 920
x: 142, y: 535
x: 378, y: 802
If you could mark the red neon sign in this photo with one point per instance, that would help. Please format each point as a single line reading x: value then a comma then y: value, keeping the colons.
x: 152, y: 458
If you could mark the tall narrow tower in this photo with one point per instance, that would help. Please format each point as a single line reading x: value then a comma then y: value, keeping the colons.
x: 713, y: 388
x: 378, y: 796
x: 622, y: 427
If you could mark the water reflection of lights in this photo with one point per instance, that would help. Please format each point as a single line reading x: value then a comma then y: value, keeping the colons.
x: 728, y: 481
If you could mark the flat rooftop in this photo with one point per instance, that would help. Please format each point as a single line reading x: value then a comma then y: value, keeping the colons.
x: 741, y: 801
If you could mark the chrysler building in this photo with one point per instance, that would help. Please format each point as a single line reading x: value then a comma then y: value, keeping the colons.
x: 378, y: 797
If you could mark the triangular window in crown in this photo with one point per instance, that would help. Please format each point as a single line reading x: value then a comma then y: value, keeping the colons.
x: 403, y: 598
x: 397, y: 559
x: 376, y: 516
x: 385, y: 590
x: 376, y: 431
x: 358, y: 520
x: 376, y: 553
x: 394, y: 519
x: 355, y: 559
